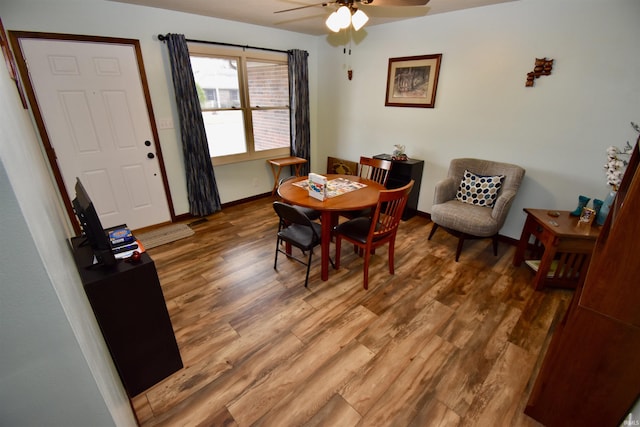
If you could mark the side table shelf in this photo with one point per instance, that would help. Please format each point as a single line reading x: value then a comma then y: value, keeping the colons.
x: 563, y: 247
x: 566, y: 270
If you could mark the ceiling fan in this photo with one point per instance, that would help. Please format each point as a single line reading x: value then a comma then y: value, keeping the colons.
x: 347, y: 12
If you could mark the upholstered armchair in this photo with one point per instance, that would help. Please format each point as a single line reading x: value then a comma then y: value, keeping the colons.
x: 474, y: 200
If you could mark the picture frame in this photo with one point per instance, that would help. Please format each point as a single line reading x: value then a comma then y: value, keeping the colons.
x: 11, y: 64
x: 587, y: 216
x: 412, y: 81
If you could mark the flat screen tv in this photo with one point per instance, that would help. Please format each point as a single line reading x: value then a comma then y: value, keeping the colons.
x: 91, y: 226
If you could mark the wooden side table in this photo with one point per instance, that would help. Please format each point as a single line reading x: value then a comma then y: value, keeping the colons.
x: 564, y: 248
x: 278, y: 164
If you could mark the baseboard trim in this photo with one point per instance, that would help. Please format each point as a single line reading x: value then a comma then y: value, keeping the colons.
x: 245, y: 200
x: 188, y: 217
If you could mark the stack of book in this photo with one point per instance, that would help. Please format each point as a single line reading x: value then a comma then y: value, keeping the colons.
x: 123, y: 242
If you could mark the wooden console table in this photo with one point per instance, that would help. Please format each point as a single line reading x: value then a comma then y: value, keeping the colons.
x: 278, y: 164
x: 563, y: 248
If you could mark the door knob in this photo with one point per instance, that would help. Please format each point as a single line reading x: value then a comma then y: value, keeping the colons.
x: 150, y: 155
x: 147, y: 143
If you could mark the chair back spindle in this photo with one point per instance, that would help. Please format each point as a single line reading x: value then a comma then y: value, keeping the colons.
x: 375, y: 169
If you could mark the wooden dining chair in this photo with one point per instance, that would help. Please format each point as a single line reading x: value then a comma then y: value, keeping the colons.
x: 367, y: 233
x: 376, y: 170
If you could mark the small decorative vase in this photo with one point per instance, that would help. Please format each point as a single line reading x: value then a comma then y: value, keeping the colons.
x: 597, y: 205
x: 604, y: 210
x: 582, y: 202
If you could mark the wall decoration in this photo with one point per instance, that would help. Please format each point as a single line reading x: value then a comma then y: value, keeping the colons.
x: 586, y: 217
x: 11, y: 64
x: 542, y: 67
x: 412, y: 81
x: 341, y: 166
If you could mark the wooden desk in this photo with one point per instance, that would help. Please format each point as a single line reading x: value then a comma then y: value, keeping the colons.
x: 278, y: 164
x: 330, y: 208
x: 563, y: 247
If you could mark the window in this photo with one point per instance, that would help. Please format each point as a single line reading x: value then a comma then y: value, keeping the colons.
x: 244, y: 97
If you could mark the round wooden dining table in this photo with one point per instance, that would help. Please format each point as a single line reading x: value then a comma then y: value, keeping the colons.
x: 330, y: 208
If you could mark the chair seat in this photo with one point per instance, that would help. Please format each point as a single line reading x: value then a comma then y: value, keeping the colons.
x: 312, y: 214
x: 301, y: 236
x: 296, y: 229
x: 464, y: 217
x: 357, y: 229
x: 356, y: 214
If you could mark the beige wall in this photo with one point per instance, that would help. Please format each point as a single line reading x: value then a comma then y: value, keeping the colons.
x: 557, y: 130
x: 112, y: 19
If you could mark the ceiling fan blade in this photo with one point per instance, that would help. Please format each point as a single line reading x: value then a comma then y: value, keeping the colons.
x: 397, y: 2
x: 304, y: 7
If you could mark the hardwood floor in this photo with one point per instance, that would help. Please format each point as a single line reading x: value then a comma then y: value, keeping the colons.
x: 439, y: 343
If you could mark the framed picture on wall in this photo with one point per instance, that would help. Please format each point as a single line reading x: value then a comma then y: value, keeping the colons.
x: 412, y: 81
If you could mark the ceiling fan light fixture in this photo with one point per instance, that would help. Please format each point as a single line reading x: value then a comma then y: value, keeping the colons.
x: 359, y: 19
x: 344, y: 16
x: 333, y: 22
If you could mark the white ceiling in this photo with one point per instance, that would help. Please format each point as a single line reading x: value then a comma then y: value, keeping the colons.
x: 308, y: 20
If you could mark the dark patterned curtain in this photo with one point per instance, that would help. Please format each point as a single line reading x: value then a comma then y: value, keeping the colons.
x: 299, y: 112
x: 201, y: 181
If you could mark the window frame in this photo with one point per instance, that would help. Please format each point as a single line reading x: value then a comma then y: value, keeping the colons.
x: 243, y: 56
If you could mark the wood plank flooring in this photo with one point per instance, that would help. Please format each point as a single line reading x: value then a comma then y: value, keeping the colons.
x: 439, y: 343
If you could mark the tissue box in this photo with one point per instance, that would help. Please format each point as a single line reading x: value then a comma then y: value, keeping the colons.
x: 317, y: 186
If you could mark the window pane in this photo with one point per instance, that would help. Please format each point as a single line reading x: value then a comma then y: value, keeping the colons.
x: 268, y: 84
x: 216, y: 81
x: 270, y: 129
x: 225, y: 132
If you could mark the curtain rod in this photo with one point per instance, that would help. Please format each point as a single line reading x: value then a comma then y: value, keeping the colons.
x: 164, y: 37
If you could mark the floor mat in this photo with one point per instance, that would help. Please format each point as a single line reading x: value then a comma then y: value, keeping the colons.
x: 164, y: 235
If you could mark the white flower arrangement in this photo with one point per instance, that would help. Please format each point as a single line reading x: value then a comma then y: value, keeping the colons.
x: 615, y: 166
x: 617, y: 161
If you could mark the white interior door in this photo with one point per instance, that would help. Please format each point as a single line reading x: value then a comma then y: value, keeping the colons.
x: 93, y: 106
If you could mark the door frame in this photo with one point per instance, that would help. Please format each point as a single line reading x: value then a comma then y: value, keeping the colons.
x: 15, y: 37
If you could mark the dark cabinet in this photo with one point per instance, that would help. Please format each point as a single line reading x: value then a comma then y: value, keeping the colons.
x: 401, y: 173
x: 129, y: 306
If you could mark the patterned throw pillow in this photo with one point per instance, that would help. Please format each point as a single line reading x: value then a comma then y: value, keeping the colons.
x: 479, y: 190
